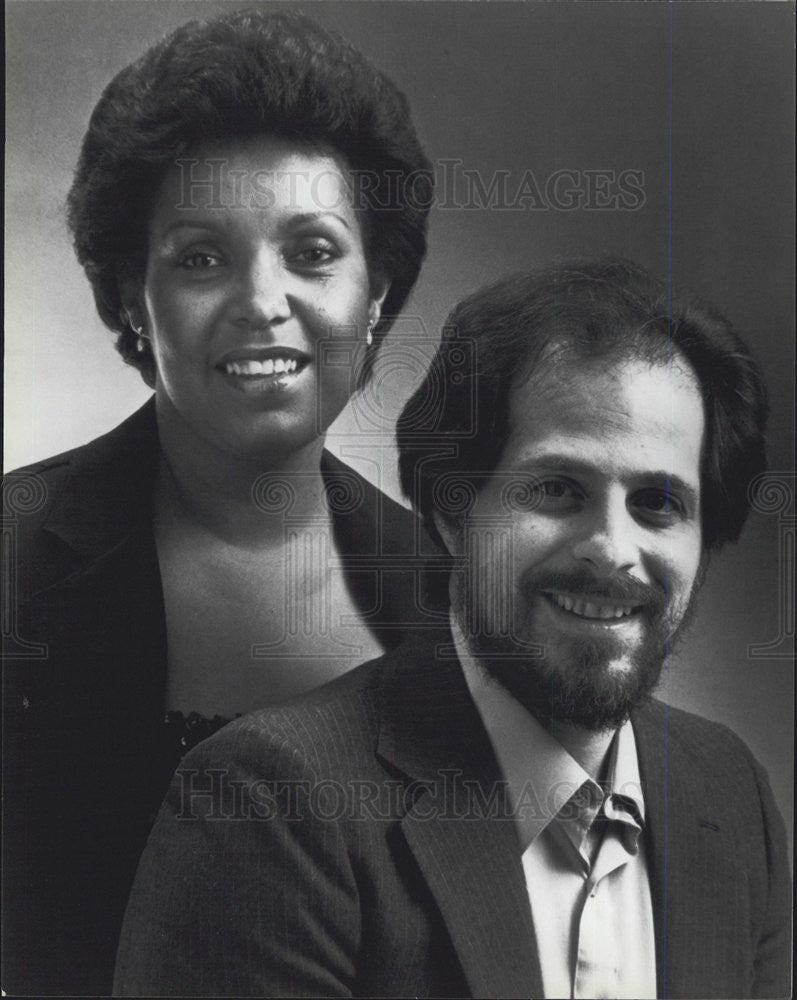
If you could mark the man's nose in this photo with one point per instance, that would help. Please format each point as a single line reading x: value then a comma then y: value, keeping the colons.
x: 261, y: 290
x: 609, y: 542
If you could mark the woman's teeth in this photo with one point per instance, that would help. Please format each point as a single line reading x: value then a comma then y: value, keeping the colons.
x: 588, y: 609
x: 271, y: 366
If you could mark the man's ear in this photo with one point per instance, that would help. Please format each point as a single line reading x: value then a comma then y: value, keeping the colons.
x: 702, y: 570
x: 450, y: 530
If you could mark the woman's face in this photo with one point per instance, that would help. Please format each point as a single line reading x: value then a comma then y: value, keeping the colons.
x: 256, y: 291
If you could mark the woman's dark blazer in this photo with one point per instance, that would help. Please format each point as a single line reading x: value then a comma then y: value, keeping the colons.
x: 84, y: 683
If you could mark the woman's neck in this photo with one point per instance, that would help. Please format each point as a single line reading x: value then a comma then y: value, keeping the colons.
x: 238, y: 499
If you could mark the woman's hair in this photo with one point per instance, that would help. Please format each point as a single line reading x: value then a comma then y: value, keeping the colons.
x: 238, y: 76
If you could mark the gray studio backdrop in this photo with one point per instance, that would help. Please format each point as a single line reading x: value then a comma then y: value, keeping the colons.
x: 661, y: 132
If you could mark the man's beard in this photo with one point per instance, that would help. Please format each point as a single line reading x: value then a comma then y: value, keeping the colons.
x: 575, y: 684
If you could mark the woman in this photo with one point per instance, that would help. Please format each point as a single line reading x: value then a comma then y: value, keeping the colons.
x: 242, y: 210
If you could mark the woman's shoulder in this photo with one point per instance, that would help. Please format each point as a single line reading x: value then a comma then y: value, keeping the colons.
x: 72, y: 494
x: 136, y: 433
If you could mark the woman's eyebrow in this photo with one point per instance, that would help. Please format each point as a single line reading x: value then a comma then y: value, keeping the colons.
x: 189, y: 223
x: 305, y: 217
x: 293, y: 221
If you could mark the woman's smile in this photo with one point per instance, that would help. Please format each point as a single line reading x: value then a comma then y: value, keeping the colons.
x: 261, y: 372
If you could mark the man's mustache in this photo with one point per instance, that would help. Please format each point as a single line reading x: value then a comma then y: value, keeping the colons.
x: 620, y: 587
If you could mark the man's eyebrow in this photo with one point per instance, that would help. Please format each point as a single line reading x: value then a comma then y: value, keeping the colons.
x: 558, y: 462
x: 555, y: 461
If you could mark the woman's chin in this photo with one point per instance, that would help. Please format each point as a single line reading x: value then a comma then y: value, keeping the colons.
x: 252, y: 419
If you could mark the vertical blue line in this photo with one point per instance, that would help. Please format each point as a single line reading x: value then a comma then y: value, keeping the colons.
x: 669, y: 346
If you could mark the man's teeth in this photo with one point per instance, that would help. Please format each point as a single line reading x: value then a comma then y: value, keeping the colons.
x: 271, y: 366
x: 586, y: 609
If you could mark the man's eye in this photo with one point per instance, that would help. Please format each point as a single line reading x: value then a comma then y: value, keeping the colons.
x: 555, y: 489
x: 552, y: 495
x: 559, y: 495
x: 658, y: 505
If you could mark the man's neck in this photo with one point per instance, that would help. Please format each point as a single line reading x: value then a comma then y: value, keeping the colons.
x: 589, y: 748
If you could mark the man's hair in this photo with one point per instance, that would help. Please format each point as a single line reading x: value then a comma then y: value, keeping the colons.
x: 534, y: 323
x: 237, y: 76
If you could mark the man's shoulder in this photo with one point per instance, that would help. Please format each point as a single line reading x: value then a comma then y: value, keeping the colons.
x: 694, y: 748
x: 329, y: 730
x: 687, y: 727
x: 333, y: 730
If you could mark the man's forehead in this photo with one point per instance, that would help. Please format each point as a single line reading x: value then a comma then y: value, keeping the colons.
x: 640, y: 406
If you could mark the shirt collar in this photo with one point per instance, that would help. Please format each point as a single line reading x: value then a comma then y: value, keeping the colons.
x: 541, y: 775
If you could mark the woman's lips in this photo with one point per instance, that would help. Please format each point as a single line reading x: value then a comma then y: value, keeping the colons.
x: 268, y: 366
x: 256, y: 369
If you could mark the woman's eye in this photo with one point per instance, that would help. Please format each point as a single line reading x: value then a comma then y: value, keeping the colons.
x: 318, y: 253
x: 200, y: 260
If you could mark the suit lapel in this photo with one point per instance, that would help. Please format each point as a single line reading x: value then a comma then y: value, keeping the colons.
x: 102, y: 613
x: 460, y: 827
x: 107, y: 494
x: 693, y: 873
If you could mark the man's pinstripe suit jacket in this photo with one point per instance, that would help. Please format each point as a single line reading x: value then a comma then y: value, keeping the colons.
x: 357, y: 842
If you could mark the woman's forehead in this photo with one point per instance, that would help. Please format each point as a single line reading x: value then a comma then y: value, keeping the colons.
x: 258, y: 173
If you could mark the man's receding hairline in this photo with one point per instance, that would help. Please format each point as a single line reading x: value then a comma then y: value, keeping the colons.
x: 564, y: 355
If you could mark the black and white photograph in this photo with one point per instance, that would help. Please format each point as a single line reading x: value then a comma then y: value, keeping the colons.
x: 399, y: 499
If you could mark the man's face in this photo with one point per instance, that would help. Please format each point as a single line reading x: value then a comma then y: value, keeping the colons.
x: 585, y: 542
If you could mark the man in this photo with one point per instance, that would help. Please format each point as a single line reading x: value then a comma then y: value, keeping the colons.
x: 501, y: 809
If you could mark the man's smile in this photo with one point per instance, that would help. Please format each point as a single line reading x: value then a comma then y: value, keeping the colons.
x: 588, y: 615
x: 592, y: 607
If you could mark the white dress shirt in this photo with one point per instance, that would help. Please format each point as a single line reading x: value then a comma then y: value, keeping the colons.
x: 582, y: 849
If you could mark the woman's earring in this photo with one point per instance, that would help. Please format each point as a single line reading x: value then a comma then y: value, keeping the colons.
x: 141, y: 341
x: 369, y: 337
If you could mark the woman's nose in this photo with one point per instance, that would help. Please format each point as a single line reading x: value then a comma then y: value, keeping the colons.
x: 609, y: 543
x: 262, y: 296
